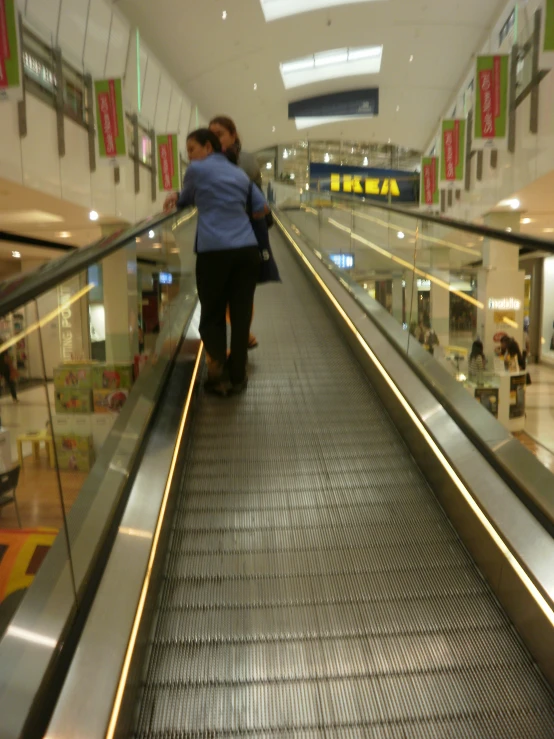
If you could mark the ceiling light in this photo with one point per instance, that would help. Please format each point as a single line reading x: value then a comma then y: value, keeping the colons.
x: 366, y: 162
x: 273, y: 129
x: 411, y: 58
x: 332, y: 64
x: 293, y: 176
x: 93, y: 215
x: 151, y: 234
x: 398, y: 108
x: 255, y: 86
x: 526, y: 220
x: 548, y: 230
x: 156, y: 246
x: 512, y: 203
x: 389, y: 141
x: 365, y: 285
x: 63, y: 234
x: 224, y: 15
x: 269, y: 165
x: 16, y: 254
x: 307, y: 187
x: 509, y: 230
x: 274, y: 9
x: 285, y: 154
x: 401, y: 235
x: 326, y: 158
x: 352, y: 150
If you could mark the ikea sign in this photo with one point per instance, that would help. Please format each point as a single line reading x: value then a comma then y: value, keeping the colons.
x: 367, y: 182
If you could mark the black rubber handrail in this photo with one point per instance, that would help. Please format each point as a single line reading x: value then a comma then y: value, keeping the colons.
x: 14, y: 238
x: 18, y: 290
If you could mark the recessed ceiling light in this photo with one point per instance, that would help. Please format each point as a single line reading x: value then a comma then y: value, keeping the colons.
x: 63, y: 234
x: 526, y: 220
x: 509, y: 230
x: 398, y: 108
x: 512, y: 203
x: 548, y: 230
x: 273, y: 129
x: 366, y: 162
x: 93, y: 215
x: 151, y: 234
x: 411, y: 58
x: 326, y: 158
x: 389, y: 141
x: 401, y: 235
x: 16, y: 254
x: 224, y: 15
x: 274, y: 9
x: 269, y: 165
x: 285, y: 154
x: 293, y: 176
x: 156, y: 246
x: 332, y: 64
x: 255, y: 86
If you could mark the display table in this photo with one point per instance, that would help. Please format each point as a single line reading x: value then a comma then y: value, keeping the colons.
x: 503, y: 394
x: 36, y: 438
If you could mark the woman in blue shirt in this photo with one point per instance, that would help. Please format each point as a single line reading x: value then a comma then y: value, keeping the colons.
x: 228, y: 258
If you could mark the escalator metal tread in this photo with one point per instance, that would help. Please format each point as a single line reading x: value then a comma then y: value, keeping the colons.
x: 313, y: 585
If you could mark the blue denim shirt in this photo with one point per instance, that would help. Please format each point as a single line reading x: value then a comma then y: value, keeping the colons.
x: 219, y: 190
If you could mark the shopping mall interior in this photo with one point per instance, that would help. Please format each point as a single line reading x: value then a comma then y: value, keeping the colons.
x: 356, y: 539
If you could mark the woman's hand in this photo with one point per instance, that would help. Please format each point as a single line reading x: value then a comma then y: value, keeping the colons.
x: 170, y: 202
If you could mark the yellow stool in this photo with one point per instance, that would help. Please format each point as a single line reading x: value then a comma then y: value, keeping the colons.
x: 35, y: 439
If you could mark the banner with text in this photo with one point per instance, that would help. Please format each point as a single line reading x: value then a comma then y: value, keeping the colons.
x: 491, y: 102
x: 10, y: 61
x: 429, y: 189
x: 168, y: 162
x: 110, y: 119
x: 546, y: 57
x: 453, y: 151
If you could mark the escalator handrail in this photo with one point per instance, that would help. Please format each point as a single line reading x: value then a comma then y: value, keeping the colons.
x: 24, y: 240
x: 19, y: 290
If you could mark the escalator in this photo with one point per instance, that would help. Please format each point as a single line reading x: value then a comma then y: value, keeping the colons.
x: 313, y: 585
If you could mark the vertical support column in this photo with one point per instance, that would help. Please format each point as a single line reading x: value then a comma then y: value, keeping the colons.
x: 60, y: 103
x: 500, y: 285
x: 398, y: 298
x: 534, y: 110
x: 121, y: 303
x: 412, y: 299
x: 440, y: 296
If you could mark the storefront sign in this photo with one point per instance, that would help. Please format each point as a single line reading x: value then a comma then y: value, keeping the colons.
x: 342, y: 261
x: 110, y: 119
x: 547, y: 36
x: 367, y: 182
x: 491, y: 101
x: 453, y: 151
x: 517, y: 396
x: 168, y: 162
x: 429, y: 189
x: 42, y: 74
x: 504, y: 304
x: 505, y: 316
x: 10, y: 65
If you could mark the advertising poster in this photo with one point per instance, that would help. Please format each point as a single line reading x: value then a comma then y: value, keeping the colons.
x: 546, y: 56
x: 517, y: 396
x: 168, y: 162
x: 10, y: 61
x: 453, y: 150
x: 491, y: 102
x: 429, y: 189
x: 488, y: 397
x: 110, y: 119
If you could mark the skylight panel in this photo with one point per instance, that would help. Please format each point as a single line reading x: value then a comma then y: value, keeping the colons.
x: 274, y: 9
x: 332, y: 64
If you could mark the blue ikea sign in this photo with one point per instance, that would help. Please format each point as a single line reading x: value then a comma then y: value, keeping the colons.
x: 366, y: 182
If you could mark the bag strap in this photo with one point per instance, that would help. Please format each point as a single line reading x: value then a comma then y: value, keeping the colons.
x: 249, y: 200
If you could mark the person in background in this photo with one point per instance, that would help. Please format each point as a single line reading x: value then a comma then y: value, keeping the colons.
x: 228, y: 257
x: 513, y: 358
x: 477, y: 362
x: 231, y: 145
x: 7, y: 372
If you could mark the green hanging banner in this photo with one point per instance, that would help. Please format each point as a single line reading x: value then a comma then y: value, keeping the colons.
x: 429, y: 189
x: 168, y: 162
x: 491, y: 102
x: 10, y: 58
x: 453, y: 150
x: 546, y: 57
x: 110, y: 119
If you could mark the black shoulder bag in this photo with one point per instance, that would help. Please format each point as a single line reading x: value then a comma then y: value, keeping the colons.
x: 269, y: 271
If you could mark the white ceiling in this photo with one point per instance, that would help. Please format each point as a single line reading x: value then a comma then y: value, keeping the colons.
x: 218, y: 61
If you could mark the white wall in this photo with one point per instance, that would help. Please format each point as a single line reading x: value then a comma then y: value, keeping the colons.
x: 95, y: 38
x: 534, y: 154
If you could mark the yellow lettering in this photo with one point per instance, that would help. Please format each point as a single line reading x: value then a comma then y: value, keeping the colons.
x: 357, y: 183
x: 372, y: 187
x: 335, y: 182
x: 347, y: 183
x: 392, y: 186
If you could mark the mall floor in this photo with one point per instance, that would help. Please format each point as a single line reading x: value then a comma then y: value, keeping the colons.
x: 38, y: 491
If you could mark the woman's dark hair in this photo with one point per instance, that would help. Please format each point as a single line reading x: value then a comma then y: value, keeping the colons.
x: 476, y: 350
x: 229, y: 125
x: 204, y: 136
